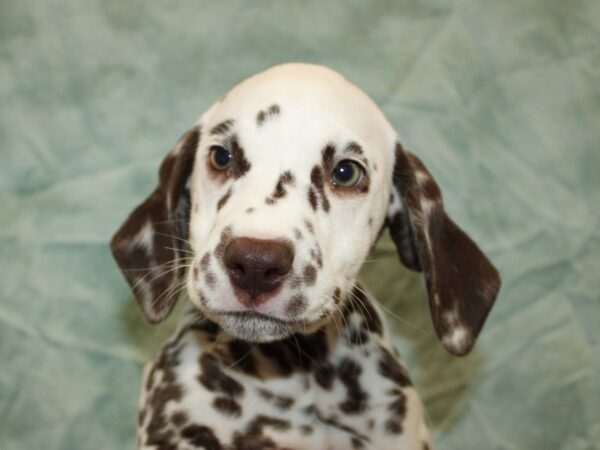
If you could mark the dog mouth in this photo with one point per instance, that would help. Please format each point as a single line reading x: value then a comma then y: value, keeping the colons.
x: 253, y: 314
x: 254, y: 326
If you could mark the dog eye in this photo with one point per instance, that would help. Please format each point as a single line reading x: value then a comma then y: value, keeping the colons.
x: 220, y: 158
x: 347, y: 173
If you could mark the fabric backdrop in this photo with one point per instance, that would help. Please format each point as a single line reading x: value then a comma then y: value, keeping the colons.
x: 500, y: 99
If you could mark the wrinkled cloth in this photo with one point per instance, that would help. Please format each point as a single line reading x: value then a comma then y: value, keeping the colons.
x: 501, y: 100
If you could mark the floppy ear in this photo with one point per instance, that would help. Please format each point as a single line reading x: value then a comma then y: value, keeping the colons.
x: 150, y: 244
x: 461, y: 282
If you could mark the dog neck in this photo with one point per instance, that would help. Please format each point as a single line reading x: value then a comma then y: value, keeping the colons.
x: 353, y: 325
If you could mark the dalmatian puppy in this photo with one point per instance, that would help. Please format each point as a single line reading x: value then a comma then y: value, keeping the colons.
x: 264, y: 212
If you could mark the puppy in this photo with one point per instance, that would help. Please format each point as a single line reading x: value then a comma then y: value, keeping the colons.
x: 264, y: 214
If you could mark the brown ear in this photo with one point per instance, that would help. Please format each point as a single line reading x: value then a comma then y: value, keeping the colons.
x: 461, y: 282
x: 149, y: 246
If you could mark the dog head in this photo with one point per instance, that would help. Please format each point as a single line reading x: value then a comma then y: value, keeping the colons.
x: 267, y: 208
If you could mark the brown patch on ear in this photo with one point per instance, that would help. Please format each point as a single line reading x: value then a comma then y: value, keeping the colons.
x: 462, y: 284
x: 149, y: 243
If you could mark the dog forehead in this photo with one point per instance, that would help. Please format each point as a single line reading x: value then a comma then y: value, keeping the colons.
x: 301, y: 105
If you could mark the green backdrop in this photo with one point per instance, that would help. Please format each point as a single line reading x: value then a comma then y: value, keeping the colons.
x: 501, y: 99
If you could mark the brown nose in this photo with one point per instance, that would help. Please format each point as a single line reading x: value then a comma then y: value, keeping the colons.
x: 257, y: 266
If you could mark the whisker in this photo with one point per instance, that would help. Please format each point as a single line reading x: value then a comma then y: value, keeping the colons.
x: 185, y: 241
x: 389, y: 311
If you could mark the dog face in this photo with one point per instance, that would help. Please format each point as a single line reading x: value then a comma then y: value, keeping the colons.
x: 268, y: 207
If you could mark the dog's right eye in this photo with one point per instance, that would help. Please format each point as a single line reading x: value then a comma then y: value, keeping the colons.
x: 220, y: 158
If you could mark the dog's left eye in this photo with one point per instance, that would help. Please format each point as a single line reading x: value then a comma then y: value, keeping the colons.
x: 347, y: 173
x: 220, y: 158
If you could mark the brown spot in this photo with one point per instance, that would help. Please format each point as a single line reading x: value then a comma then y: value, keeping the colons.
x: 249, y: 210
x: 353, y: 147
x: 205, y: 261
x: 296, y: 282
x: 336, y: 295
x: 215, y: 380
x: 390, y: 368
x: 179, y: 418
x: 328, y: 153
x: 324, y: 375
x: 316, y: 177
x: 281, y: 401
x: 397, y: 409
x: 265, y: 393
x: 310, y: 275
x: 224, y: 199
x: 299, y: 351
x: 298, y: 234
x: 263, y: 115
x: 240, y: 165
x: 306, y: 429
x: 222, y: 128
x: 226, y: 235
x: 227, y: 406
x: 287, y: 178
x: 317, y: 255
x: 356, y: 336
x: 242, y: 357
x: 357, y: 443
x: 349, y: 372
x: 296, y: 306
x: 201, y: 436
x: 309, y: 226
x: 261, y: 421
x: 312, y: 198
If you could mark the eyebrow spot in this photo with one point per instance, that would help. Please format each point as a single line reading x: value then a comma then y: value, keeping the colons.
x: 222, y: 128
x: 353, y: 147
x: 328, y: 153
x: 240, y: 164
x: 264, y: 115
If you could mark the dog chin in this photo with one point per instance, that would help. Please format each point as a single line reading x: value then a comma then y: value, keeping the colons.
x: 254, y: 329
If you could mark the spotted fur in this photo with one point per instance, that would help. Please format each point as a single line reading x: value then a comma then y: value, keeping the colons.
x: 310, y: 366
